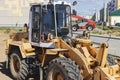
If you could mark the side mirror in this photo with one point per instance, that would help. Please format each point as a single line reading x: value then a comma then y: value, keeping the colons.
x: 74, y: 3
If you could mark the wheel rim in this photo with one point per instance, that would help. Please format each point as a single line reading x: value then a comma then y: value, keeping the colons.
x: 74, y: 28
x: 59, y: 77
x: 16, y: 63
x: 90, y: 28
x: 56, y: 75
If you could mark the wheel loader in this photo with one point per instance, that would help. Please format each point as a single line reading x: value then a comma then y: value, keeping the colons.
x: 48, y: 50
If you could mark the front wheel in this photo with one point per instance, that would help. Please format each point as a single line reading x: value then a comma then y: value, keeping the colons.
x: 63, y: 69
x: 18, y: 67
x: 89, y: 28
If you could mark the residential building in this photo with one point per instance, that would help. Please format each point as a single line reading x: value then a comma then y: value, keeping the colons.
x: 15, y: 12
x: 105, y: 12
x: 118, y: 4
x: 102, y: 15
x: 113, y: 5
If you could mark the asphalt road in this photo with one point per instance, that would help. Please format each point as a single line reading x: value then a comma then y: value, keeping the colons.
x: 114, y: 44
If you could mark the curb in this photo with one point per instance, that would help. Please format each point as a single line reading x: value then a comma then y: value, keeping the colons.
x: 111, y: 37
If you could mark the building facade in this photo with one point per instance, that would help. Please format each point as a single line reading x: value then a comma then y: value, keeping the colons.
x: 114, y: 17
x: 102, y: 15
x: 105, y: 12
x: 118, y: 4
x: 15, y: 12
x: 113, y: 5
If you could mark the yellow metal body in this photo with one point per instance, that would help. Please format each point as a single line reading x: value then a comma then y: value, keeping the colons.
x: 25, y: 48
x: 90, y: 59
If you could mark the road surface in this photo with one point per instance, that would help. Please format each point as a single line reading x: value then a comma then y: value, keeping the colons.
x: 114, y: 44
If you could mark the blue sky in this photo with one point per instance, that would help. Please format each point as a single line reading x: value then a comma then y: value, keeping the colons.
x: 88, y: 7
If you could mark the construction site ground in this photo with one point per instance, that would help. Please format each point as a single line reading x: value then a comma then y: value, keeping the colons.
x: 4, y: 73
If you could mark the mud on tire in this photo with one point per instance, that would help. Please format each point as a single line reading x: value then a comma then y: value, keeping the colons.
x: 18, y: 67
x: 63, y: 69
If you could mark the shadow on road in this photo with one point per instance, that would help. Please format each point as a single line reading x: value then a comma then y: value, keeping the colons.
x: 4, y: 70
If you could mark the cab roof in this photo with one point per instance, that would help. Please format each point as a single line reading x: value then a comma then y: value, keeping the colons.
x: 46, y: 3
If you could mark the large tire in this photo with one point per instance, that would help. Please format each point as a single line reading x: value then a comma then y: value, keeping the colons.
x: 63, y: 69
x: 18, y: 67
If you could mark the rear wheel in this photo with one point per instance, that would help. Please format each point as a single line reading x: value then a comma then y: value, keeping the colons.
x: 74, y: 28
x: 63, y: 69
x: 89, y: 28
x: 18, y: 67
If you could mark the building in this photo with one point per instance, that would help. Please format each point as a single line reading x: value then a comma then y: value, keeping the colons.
x: 113, y: 5
x: 115, y: 17
x: 102, y: 15
x: 118, y: 4
x: 15, y: 12
x: 112, y: 8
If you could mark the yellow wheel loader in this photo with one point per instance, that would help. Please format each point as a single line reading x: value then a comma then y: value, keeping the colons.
x: 48, y: 51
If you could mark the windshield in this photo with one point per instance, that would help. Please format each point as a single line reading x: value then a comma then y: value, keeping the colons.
x: 48, y: 20
x: 62, y: 18
x: 63, y: 15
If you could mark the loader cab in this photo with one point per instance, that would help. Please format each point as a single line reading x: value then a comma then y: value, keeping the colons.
x: 48, y: 21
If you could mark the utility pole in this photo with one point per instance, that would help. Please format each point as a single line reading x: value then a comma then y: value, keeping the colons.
x: 104, y: 14
x: 108, y: 18
x: 95, y: 13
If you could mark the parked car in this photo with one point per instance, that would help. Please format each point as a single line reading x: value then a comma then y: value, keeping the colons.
x: 79, y: 22
x: 117, y: 24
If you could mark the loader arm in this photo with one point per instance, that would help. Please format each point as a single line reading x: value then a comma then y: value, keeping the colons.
x: 78, y: 57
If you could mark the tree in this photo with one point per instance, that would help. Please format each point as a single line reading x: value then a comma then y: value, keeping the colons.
x: 74, y: 12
